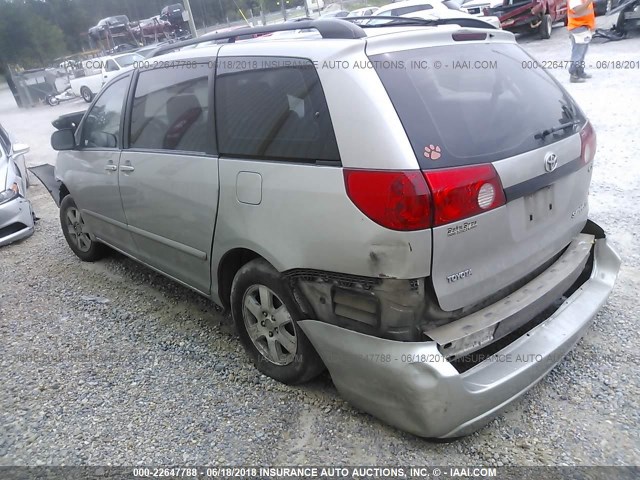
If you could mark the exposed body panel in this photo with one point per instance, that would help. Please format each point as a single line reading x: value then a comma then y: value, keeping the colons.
x: 307, y: 221
x: 410, y: 384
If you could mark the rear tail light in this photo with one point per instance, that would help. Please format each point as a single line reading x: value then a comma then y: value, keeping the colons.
x: 393, y: 199
x: 459, y: 193
x: 465, y: 37
x: 588, y: 141
x: 403, y: 200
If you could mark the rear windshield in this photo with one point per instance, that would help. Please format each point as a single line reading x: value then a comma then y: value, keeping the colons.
x: 474, y: 103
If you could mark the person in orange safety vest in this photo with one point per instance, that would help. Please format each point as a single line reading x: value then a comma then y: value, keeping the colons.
x: 581, y: 23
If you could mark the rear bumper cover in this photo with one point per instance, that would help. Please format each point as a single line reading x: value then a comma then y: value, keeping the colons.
x: 412, y: 386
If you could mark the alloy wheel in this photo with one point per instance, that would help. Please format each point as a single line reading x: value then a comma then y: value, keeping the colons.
x: 269, y: 325
x: 77, y: 230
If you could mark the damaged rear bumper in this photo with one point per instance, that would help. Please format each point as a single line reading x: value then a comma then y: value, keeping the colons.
x: 412, y: 385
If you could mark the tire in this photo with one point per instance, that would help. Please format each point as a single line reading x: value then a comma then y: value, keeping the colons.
x: 87, y: 94
x: 52, y: 101
x: 271, y: 336
x: 545, y: 26
x: 82, y: 243
x: 620, y: 27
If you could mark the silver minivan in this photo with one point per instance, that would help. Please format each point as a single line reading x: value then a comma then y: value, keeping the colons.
x: 405, y: 206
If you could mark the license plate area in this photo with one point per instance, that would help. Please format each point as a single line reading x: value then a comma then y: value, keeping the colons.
x: 539, y: 206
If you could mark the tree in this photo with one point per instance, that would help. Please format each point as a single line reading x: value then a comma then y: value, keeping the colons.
x: 47, y: 40
x: 28, y: 39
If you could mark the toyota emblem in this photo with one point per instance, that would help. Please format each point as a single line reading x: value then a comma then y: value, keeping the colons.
x: 550, y: 162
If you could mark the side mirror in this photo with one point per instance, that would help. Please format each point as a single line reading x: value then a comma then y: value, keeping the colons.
x: 20, y: 149
x: 63, y: 139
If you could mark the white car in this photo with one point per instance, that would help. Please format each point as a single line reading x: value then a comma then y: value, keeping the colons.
x: 363, y: 12
x: 16, y: 215
x: 431, y: 14
x: 476, y: 7
x: 427, y: 9
x: 399, y: 9
x: 101, y: 70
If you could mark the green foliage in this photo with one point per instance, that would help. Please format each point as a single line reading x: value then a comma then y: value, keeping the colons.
x: 35, y: 32
x: 26, y: 38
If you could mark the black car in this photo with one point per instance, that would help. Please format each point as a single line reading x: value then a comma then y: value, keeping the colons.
x: 172, y: 13
x: 601, y: 7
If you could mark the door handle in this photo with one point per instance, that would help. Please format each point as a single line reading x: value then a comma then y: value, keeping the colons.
x: 110, y: 167
x: 126, y: 168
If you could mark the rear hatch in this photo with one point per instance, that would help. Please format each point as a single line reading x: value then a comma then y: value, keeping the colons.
x: 506, y: 154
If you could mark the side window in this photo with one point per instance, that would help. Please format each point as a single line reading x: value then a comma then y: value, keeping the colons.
x: 272, y: 108
x: 111, y: 66
x: 101, y: 127
x: 170, y: 109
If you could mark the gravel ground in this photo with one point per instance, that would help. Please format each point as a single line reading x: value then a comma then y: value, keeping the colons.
x: 110, y: 363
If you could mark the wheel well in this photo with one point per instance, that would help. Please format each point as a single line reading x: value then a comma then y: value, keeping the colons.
x: 232, y: 261
x: 64, y: 191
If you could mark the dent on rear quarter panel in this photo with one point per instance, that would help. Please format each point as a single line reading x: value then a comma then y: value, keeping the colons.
x: 313, y: 225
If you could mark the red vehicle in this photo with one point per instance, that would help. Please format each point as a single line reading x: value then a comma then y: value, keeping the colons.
x: 520, y: 16
x: 152, y: 29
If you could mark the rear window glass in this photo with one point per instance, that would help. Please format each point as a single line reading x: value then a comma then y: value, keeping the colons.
x: 473, y: 103
x: 272, y: 108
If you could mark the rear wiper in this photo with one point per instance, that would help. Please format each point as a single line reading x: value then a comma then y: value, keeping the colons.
x: 394, y: 21
x: 545, y: 133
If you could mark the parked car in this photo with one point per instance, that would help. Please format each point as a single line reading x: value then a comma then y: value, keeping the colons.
x: 363, y: 12
x: 106, y: 67
x: 172, y: 14
x: 628, y: 12
x: 525, y: 16
x: 16, y: 214
x: 425, y: 9
x: 398, y: 9
x: 152, y: 28
x: 601, y: 7
x: 437, y: 258
x: 148, y: 50
x: 117, y: 25
x: 477, y: 7
x: 335, y: 14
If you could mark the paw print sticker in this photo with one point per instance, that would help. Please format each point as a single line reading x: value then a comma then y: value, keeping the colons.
x: 432, y: 152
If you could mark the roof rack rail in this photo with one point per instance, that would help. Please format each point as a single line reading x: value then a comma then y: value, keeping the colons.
x: 329, y: 28
x: 416, y: 21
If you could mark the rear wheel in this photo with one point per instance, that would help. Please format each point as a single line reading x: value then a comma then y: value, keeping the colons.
x: 266, y: 315
x: 87, y: 94
x: 75, y: 231
x: 545, y: 26
x: 52, y: 100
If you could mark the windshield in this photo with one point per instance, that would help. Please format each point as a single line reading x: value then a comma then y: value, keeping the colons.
x: 480, y: 105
